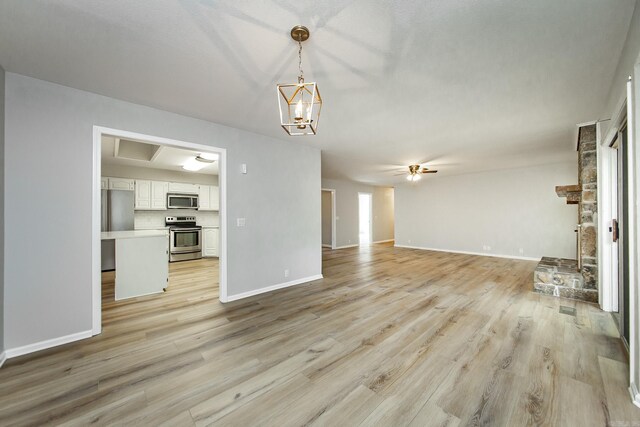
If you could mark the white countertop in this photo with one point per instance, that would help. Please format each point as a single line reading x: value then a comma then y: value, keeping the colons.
x: 132, y: 234
x: 159, y: 227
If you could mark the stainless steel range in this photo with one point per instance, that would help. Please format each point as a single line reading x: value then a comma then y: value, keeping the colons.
x: 185, y: 238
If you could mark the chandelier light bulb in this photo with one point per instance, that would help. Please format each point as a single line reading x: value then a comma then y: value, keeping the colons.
x: 298, y: 114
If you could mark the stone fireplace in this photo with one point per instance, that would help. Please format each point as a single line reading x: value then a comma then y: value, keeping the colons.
x: 568, y: 278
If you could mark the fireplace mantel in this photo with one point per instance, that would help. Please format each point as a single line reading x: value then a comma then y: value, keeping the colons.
x: 573, y: 193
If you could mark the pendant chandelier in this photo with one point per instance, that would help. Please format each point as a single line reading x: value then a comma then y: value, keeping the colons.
x: 299, y: 103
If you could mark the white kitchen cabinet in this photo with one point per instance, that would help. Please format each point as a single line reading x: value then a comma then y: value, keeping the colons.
x: 214, y: 191
x: 209, y: 198
x: 143, y: 195
x: 121, y: 184
x: 159, y: 190
x: 151, y: 195
x: 181, y: 187
x: 211, y: 242
x: 204, y: 198
x: 104, y: 183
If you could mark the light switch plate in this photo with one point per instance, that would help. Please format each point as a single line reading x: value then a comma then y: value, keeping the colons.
x: 241, y: 222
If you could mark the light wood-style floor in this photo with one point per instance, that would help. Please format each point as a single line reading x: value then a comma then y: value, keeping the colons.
x: 390, y: 337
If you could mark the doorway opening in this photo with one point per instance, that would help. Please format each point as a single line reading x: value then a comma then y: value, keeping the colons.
x: 174, y: 219
x: 328, y: 218
x: 365, y: 213
x: 620, y: 227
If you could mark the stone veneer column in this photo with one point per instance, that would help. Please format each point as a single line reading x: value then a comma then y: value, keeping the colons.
x: 588, y: 206
x: 561, y: 277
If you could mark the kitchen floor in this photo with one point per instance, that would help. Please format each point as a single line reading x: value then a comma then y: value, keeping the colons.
x: 185, y: 277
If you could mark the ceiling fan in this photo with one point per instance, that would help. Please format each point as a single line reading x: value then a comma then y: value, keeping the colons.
x: 416, y: 171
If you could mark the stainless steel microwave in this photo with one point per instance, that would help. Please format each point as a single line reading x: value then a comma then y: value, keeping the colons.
x: 182, y: 201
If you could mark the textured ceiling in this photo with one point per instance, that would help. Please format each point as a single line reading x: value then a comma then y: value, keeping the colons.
x: 464, y: 85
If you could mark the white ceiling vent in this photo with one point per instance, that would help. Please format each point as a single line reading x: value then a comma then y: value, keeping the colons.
x: 134, y: 150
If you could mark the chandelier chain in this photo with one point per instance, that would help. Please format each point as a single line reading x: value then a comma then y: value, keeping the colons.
x: 301, y: 76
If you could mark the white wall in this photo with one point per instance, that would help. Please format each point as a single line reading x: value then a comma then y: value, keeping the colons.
x: 49, y: 130
x: 347, y: 232
x: 624, y: 69
x: 507, y: 210
x: 2, y: 97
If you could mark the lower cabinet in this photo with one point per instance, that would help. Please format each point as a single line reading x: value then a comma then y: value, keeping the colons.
x: 211, y: 239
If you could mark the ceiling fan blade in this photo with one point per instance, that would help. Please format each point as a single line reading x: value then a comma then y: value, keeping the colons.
x: 398, y: 174
x: 428, y: 171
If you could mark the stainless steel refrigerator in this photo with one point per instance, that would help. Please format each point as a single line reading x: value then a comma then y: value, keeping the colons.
x: 117, y: 215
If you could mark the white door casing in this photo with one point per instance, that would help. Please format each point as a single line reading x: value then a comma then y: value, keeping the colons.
x: 98, y: 131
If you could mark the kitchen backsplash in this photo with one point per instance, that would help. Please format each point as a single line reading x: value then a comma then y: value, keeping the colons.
x: 155, y: 219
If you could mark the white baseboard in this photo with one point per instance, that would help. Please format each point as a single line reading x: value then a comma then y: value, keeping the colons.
x: 3, y: 358
x: 383, y: 241
x: 42, y: 345
x: 274, y: 287
x: 468, y: 253
x: 346, y: 246
x: 635, y: 395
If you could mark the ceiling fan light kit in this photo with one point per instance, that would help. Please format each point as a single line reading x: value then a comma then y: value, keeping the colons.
x: 207, y: 157
x: 299, y: 103
x: 415, y: 172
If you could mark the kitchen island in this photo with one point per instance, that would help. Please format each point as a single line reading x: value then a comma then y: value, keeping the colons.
x: 141, y: 261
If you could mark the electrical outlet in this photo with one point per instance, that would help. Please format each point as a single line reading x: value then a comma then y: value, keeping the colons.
x: 488, y: 248
x: 286, y: 272
x: 241, y: 222
x: 521, y: 251
x: 243, y: 168
x: 409, y: 241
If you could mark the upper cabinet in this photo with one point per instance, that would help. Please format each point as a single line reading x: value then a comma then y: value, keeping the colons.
x: 151, y: 195
x: 180, y: 187
x: 209, y: 198
x: 159, y: 192
x: 120, y: 184
x: 143, y: 195
x: 204, y: 198
x: 215, y: 197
